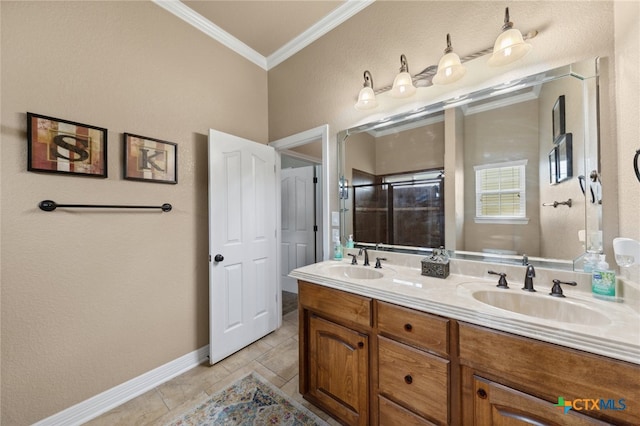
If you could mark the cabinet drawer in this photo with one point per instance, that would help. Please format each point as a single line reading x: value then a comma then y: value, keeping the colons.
x: 337, y: 304
x: 414, y: 327
x: 391, y: 414
x: 414, y: 379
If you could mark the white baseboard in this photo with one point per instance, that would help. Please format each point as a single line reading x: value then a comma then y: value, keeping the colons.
x: 290, y: 286
x: 118, y: 395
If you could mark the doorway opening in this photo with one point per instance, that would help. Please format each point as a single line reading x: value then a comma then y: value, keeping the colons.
x: 304, y: 210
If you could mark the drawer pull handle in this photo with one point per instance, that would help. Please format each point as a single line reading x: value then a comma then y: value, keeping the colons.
x: 408, y: 379
x: 408, y: 327
x: 360, y: 345
x: 481, y: 393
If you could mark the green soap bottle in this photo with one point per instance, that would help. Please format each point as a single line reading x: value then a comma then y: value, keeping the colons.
x: 337, y: 249
x: 350, y: 243
x: 603, y: 280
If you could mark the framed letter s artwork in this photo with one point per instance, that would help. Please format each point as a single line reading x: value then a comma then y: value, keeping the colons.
x: 61, y: 146
x: 150, y: 160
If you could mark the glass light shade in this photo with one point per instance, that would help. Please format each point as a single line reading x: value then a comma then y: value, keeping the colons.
x: 403, y: 86
x: 509, y: 47
x: 449, y: 69
x: 366, y: 99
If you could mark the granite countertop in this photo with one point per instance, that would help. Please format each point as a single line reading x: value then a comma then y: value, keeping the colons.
x: 600, y: 327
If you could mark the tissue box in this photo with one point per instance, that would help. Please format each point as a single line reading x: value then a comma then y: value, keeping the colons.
x: 435, y: 267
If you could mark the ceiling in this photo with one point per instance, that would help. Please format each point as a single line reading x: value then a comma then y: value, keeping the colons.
x: 266, y: 32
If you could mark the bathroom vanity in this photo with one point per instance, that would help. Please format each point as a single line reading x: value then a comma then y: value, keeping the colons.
x: 389, y: 346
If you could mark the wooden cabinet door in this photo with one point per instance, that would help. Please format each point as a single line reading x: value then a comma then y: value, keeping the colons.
x: 338, y: 364
x: 495, y: 404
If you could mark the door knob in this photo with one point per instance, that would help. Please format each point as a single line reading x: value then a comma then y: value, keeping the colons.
x: 218, y: 258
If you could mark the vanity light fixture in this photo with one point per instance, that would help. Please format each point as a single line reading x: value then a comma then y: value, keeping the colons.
x: 367, y: 98
x: 509, y: 46
x: 403, y: 84
x: 450, y: 69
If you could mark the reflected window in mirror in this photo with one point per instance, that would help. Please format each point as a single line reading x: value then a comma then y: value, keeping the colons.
x: 501, y: 195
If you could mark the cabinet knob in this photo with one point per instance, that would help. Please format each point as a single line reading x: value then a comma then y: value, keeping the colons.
x: 481, y: 393
x: 408, y: 379
x: 360, y: 345
x: 408, y: 327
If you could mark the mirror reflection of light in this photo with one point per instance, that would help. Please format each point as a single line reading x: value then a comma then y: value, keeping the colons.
x: 386, y: 122
x: 508, y: 89
x: 458, y: 101
x: 403, y: 282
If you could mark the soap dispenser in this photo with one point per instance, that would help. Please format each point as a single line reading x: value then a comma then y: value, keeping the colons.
x: 337, y: 249
x: 350, y: 243
x: 603, y: 281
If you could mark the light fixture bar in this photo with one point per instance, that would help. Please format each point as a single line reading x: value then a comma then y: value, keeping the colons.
x: 423, y: 78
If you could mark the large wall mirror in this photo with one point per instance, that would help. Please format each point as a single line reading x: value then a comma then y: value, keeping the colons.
x: 508, y: 173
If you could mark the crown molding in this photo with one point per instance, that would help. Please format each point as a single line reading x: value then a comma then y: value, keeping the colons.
x: 193, y: 18
x: 317, y: 30
x: 320, y: 28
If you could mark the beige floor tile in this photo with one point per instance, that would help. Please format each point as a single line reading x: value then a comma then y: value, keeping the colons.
x: 253, y: 366
x: 283, y: 359
x: 245, y: 356
x: 184, y: 387
x: 288, y: 330
x: 291, y: 317
x: 182, y: 408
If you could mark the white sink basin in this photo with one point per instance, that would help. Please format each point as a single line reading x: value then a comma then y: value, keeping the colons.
x: 541, y: 306
x: 354, y: 272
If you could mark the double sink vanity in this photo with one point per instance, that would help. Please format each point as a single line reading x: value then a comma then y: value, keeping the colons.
x: 389, y: 346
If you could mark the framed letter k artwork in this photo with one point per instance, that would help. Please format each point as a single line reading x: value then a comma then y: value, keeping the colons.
x: 149, y: 159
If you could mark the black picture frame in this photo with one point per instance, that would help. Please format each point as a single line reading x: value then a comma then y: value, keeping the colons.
x: 553, y: 166
x: 564, y: 157
x: 149, y: 159
x: 61, y: 146
x: 558, y: 119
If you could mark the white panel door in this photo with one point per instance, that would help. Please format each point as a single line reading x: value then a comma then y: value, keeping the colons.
x: 297, y: 222
x: 242, y: 243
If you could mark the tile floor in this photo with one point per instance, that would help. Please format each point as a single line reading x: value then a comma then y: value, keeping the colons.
x: 274, y: 357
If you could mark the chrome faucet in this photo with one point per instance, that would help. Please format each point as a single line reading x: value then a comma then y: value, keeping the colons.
x: 528, y: 278
x: 366, y: 255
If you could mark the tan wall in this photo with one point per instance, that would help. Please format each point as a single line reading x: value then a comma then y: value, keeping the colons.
x: 559, y: 226
x: 311, y: 149
x: 320, y: 84
x: 91, y: 299
x: 411, y: 150
x: 360, y: 154
x: 490, y: 137
x: 626, y: 113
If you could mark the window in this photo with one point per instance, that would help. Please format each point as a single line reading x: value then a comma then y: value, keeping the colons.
x: 500, y: 193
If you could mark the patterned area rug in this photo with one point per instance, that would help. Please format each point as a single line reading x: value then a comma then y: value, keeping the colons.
x: 251, y: 400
